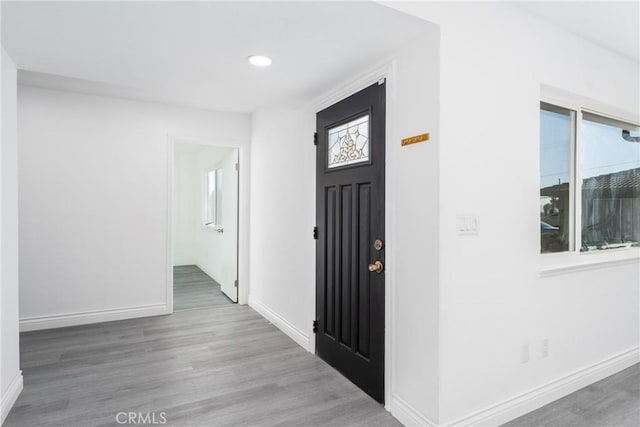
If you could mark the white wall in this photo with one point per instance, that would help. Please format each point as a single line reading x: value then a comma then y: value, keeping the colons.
x: 413, y: 177
x: 282, y: 251
x: 494, y: 59
x: 214, y: 252
x: 186, y: 209
x: 94, y: 202
x: 10, y: 374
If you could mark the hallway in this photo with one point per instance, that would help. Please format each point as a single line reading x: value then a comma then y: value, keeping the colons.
x: 221, y: 366
x: 193, y: 289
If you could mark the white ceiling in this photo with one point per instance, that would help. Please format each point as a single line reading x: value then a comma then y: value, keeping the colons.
x: 195, y: 53
x: 614, y: 25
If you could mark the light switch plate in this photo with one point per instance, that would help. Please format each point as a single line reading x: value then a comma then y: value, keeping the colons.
x: 467, y: 225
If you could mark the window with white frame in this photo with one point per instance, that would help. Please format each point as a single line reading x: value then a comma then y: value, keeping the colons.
x: 589, y: 181
x: 213, y: 198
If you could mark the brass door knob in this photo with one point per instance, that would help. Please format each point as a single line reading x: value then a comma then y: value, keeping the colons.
x: 376, y: 267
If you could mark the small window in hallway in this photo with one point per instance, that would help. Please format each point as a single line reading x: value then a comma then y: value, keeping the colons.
x: 213, y: 198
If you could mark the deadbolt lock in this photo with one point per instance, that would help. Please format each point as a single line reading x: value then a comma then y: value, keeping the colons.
x: 378, y: 245
x: 376, y: 267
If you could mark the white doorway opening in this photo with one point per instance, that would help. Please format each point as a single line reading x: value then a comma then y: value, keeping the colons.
x: 204, y: 224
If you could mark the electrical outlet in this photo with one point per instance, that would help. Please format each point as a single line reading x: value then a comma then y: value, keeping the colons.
x: 544, y: 348
x: 525, y: 353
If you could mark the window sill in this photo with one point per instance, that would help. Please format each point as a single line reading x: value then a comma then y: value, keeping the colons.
x: 567, y: 263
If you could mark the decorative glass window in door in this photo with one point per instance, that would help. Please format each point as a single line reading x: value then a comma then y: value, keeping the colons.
x: 348, y: 143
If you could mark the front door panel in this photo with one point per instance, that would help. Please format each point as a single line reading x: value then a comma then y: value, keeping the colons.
x: 350, y: 249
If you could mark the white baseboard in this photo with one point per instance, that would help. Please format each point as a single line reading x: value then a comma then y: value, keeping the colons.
x: 284, y: 325
x: 536, y: 398
x: 87, y: 317
x: 9, y: 398
x: 407, y: 414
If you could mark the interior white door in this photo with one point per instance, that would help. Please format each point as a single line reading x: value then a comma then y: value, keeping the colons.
x: 230, y: 170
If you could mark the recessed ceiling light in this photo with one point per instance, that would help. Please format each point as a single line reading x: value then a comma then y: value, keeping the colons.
x: 260, y: 61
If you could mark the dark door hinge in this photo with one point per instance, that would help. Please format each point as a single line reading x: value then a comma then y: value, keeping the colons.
x: 315, y: 326
x: 315, y: 233
x: 235, y: 283
x: 315, y: 138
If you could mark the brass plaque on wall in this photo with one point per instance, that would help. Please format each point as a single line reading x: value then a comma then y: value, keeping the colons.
x: 415, y: 139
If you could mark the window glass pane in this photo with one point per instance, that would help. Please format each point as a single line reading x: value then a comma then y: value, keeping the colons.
x: 556, y: 139
x: 610, y: 184
x: 218, y: 200
x: 210, y: 198
x: 348, y: 143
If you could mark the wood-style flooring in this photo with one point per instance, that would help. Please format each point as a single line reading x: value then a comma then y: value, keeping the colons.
x: 228, y: 366
x: 193, y: 288
x: 221, y: 366
x: 612, y: 402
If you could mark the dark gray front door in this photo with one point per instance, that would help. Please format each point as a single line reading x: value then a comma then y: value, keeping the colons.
x: 350, y: 248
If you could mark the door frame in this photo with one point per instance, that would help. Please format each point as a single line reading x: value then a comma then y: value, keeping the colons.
x: 384, y: 71
x: 243, y: 210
